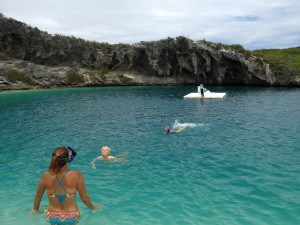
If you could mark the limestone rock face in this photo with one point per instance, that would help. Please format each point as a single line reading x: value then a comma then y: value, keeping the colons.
x: 55, y: 60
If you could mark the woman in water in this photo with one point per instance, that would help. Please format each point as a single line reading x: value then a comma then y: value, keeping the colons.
x: 61, y: 185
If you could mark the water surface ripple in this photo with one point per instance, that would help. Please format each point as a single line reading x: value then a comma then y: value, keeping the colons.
x: 239, y: 164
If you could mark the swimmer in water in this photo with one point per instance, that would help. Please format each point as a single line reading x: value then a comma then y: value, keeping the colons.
x: 167, y: 130
x: 105, y: 155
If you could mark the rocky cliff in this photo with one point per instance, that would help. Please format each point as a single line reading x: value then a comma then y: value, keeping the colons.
x: 30, y: 58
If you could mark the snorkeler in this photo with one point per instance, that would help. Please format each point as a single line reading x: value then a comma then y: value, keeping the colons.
x: 61, y: 185
x: 167, y: 130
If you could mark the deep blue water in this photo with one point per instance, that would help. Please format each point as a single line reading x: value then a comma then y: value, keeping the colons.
x: 239, y: 164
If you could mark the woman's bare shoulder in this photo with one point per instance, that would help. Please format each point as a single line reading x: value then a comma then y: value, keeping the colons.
x: 75, y: 173
x: 46, y: 174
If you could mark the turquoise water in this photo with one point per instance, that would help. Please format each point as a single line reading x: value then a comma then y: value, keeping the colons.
x: 239, y: 164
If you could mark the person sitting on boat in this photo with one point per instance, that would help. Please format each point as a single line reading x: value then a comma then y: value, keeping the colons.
x: 168, y: 130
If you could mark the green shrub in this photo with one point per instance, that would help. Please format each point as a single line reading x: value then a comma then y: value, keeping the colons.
x: 259, y: 61
x: 74, y: 77
x: 182, y: 44
x: 16, y: 75
x: 124, y: 80
x: 103, y: 70
x: 101, y: 73
x: 281, y: 60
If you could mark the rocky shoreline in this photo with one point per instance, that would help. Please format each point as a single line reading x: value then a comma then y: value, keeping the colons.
x: 30, y: 58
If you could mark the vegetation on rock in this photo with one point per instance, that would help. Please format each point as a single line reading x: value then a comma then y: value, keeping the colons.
x: 179, y: 60
x: 18, y: 76
x: 281, y: 60
x: 74, y: 77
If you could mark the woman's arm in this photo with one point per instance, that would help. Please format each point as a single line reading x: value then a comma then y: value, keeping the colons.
x: 39, y: 193
x: 93, y: 161
x: 83, y: 193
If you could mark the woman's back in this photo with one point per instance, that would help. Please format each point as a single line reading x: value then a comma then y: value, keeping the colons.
x: 67, y: 188
x: 61, y: 186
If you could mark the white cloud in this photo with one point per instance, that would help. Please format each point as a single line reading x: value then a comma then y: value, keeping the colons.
x: 252, y: 23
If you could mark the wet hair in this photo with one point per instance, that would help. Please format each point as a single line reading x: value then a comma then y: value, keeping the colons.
x: 167, y: 129
x: 105, y: 147
x: 60, y: 157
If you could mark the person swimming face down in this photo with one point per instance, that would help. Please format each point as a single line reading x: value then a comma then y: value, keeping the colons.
x: 167, y: 130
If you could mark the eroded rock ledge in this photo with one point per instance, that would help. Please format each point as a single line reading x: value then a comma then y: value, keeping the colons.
x: 30, y: 58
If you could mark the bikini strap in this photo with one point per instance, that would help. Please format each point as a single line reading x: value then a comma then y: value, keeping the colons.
x: 59, y: 182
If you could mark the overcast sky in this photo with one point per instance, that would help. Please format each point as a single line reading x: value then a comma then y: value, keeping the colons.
x: 255, y: 24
